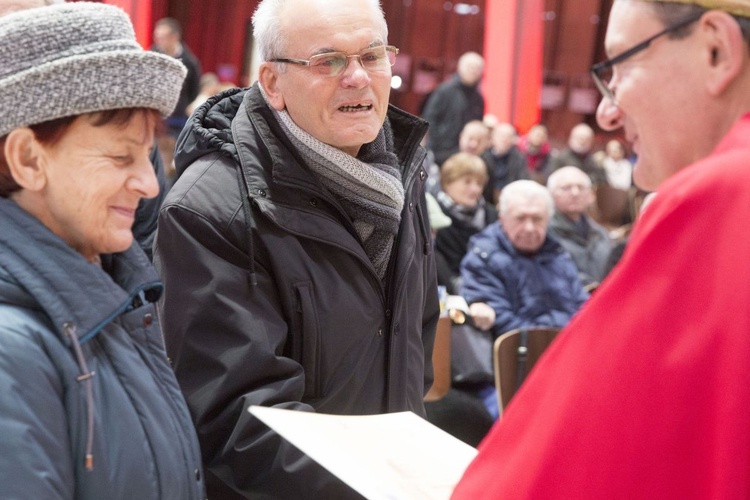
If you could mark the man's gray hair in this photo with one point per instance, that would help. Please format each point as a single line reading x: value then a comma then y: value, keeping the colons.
x: 524, y: 190
x: 266, y: 27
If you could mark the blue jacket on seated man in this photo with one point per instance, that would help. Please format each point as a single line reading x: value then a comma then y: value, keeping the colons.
x: 523, y: 274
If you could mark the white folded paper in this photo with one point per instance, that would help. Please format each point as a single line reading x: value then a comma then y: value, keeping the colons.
x: 389, y: 456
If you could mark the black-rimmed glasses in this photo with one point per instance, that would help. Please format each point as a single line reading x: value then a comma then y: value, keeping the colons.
x: 373, y: 59
x: 602, y: 72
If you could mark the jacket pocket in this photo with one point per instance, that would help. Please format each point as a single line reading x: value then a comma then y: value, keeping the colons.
x: 307, y: 332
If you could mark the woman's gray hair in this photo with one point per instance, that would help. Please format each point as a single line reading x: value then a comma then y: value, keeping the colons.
x: 271, y: 41
x: 525, y: 190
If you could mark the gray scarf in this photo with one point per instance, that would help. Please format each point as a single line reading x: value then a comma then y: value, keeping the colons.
x: 368, y: 187
x: 472, y: 217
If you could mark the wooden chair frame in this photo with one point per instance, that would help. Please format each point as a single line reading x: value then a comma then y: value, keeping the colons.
x: 514, y: 354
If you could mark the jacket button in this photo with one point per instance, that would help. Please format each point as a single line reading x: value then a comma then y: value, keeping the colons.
x: 148, y: 318
x: 387, y: 313
x: 262, y: 192
x: 197, y: 474
x: 411, y: 206
x: 380, y: 332
x: 314, y: 202
x: 422, y: 174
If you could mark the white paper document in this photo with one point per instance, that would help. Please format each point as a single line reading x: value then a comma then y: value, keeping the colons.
x: 389, y: 456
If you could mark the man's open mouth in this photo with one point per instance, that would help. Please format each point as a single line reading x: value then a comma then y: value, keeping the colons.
x: 358, y: 107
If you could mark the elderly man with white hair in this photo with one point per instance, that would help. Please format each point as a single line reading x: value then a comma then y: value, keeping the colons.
x: 514, y: 274
x: 296, y: 250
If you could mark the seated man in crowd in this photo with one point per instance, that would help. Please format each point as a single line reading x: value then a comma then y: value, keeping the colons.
x: 579, y: 153
x: 536, y: 147
x: 505, y: 162
x: 474, y: 138
x: 584, y: 239
x: 514, y: 275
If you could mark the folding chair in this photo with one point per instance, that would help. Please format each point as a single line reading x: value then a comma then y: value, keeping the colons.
x: 514, y: 354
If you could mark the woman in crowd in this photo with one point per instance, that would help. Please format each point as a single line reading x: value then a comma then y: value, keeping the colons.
x: 618, y: 168
x: 535, y: 145
x: 90, y: 407
x: 462, y: 179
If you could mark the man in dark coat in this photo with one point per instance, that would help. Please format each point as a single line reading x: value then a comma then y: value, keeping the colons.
x: 168, y: 40
x: 296, y: 251
x: 452, y: 105
x: 579, y: 153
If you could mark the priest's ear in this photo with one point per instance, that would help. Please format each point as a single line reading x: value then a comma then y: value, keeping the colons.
x: 725, y: 50
x: 268, y: 76
x: 23, y: 156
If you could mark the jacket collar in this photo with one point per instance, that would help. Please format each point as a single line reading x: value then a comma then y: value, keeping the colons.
x: 255, y: 121
x: 62, y: 283
x: 549, y: 248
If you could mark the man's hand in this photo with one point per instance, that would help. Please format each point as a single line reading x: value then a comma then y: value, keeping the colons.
x: 482, y: 315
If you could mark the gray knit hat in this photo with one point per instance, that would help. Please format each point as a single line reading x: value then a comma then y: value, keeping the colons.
x: 69, y: 59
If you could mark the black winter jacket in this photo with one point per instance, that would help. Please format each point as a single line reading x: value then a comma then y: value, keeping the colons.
x: 275, y: 303
x: 451, y: 106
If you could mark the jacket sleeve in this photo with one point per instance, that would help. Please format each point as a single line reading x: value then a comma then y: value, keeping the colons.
x: 482, y: 281
x: 225, y: 338
x: 35, y: 449
x: 578, y: 293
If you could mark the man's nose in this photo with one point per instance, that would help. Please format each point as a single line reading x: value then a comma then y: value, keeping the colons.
x: 355, y: 73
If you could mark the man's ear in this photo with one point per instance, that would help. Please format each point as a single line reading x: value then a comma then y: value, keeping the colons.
x: 268, y: 76
x: 725, y: 49
x: 23, y: 154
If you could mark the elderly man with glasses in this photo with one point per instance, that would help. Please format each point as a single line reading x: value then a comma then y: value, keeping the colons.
x: 295, y: 248
x: 645, y: 393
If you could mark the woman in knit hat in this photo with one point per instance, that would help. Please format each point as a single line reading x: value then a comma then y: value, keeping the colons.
x: 90, y: 406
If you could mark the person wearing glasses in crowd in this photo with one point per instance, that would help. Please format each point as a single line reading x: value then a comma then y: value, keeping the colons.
x: 295, y: 248
x: 645, y: 393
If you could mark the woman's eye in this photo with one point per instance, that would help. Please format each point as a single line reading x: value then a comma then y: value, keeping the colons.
x: 122, y: 159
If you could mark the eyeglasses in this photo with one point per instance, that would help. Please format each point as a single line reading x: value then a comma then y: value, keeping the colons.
x: 374, y: 59
x: 602, y: 72
x: 568, y: 188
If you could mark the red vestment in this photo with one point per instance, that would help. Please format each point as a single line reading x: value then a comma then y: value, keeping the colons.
x: 646, y: 393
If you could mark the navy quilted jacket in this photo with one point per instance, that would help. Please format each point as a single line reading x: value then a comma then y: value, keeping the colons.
x: 538, y: 290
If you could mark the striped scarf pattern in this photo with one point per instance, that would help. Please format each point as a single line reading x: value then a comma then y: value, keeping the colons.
x: 368, y: 187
